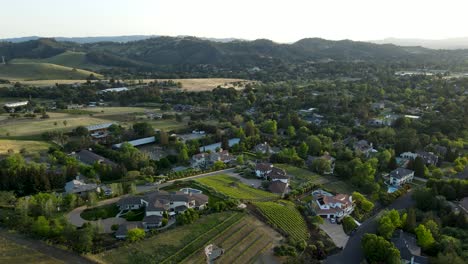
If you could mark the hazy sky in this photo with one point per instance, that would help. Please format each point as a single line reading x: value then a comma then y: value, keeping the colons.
x: 279, y: 20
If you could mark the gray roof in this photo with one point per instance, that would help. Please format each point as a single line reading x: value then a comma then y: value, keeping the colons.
x: 277, y: 187
x: 406, y: 244
x: 99, y: 126
x: 400, y: 173
x: 90, y: 158
x: 131, y: 200
x: 138, y: 142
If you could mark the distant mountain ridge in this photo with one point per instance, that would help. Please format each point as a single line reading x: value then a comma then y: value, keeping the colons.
x: 120, y: 39
x: 450, y: 43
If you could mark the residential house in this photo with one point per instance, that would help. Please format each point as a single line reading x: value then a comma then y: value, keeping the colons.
x: 113, y: 90
x: 79, y: 187
x: 364, y: 147
x: 408, y: 155
x: 263, y: 148
x: 401, y: 176
x: 137, y: 142
x: 215, y: 146
x: 262, y: 169
x: 99, y: 132
x: 152, y: 221
x: 90, y: 158
x: 12, y: 107
x: 130, y: 203
x: 332, y: 206
x: 410, y: 252
x: 428, y: 157
x: 203, y: 160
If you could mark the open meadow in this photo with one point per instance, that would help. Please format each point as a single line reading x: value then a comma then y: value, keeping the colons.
x: 17, y: 145
x: 11, y: 252
x: 234, y: 188
x: 41, y: 71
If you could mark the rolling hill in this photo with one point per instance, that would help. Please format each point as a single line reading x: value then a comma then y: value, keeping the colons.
x: 70, y: 59
x: 42, y: 71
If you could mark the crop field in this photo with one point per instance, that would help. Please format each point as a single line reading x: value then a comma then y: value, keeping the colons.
x: 300, y: 175
x: 42, y: 71
x: 234, y: 188
x: 175, y: 245
x: 17, y: 145
x: 10, y: 252
x: 243, y: 242
x: 286, y: 217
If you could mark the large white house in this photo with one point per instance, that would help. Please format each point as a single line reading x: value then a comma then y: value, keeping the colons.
x: 401, y: 176
x: 332, y: 206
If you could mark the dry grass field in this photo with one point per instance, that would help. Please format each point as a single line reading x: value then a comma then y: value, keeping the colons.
x: 10, y: 252
x: 17, y: 145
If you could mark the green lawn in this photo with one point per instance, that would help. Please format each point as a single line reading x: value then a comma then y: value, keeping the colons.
x: 285, y: 216
x: 300, y: 175
x: 339, y: 187
x: 232, y: 187
x: 10, y: 252
x: 173, y: 246
x: 135, y: 215
x: 100, y: 212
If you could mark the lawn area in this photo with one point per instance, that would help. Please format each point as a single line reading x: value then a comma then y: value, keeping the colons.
x: 212, y: 199
x: 243, y: 242
x: 175, y: 245
x: 232, y: 187
x: 285, y: 216
x: 10, y: 252
x: 17, y: 145
x: 100, y: 212
x: 300, y: 175
x: 37, y: 126
x: 135, y: 215
x: 168, y: 124
x: 339, y: 187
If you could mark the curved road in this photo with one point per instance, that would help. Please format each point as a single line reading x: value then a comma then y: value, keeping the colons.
x: 352, y: 253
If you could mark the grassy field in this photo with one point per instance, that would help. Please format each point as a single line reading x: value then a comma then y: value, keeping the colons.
x: 17, y: 145
x: 339, y: 187
x: 10, y: 252
x: 243, y: 242
x: 27, y: 127
x: 207, y: 84
x: 175, y: 245
x: 300, y: 175
x: 234, y: 188
x: 68, y: 59
x: 42, y: 71
x: 285, y: 216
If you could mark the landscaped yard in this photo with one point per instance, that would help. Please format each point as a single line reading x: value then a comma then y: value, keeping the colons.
x: 10, y: 252
x: 339, y: 187
x: 175, y: 245
x: 100, y: 212
x: 285, y: 216
x: 235, y: 188
x: 300, y: 175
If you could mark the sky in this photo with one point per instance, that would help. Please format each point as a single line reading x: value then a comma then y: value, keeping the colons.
x: 279, y: 20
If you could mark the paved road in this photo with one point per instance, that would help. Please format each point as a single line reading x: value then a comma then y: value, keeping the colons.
x: 352, y: 253
x: 74, y: 217
x: 39, y: 246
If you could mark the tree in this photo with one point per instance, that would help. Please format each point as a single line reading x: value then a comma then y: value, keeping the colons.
x: 386, y: 227
x: 410, y: 223
x: 219, y: 165
x: 291, y: 132
x: 315, y: 145
x: 92, y: 199
x: 41, y: 226
x: 432, y: 226
x: 65, y: 122
x: 320, y: 165
x: 303, y: 150
x: 378, y: 250
x: 81, y: 131
x: 349, y: 224
x: 250, y: 129
x: 424, y: 235
x: 240, y: 159
x: 183, y: 155
x: 419, y: 167
x: 143, y: 129
x: 135, y: 234
x: 269, y: 126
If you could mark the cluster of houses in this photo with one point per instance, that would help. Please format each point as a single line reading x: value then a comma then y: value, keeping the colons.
x: 158, y: 204
x: 279, y: 180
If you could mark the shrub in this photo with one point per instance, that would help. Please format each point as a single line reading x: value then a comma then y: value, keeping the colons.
x: 349, y: 224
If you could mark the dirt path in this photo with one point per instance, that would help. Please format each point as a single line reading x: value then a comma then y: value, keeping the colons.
x: 39, y: 246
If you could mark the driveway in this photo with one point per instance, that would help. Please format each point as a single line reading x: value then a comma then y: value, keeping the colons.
x: 352, y: 253
x: 336, y: 233
x: 74, y: 217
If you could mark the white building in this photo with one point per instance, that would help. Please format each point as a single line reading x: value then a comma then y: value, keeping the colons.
x: 401, y: 176
x: 333, y: 206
